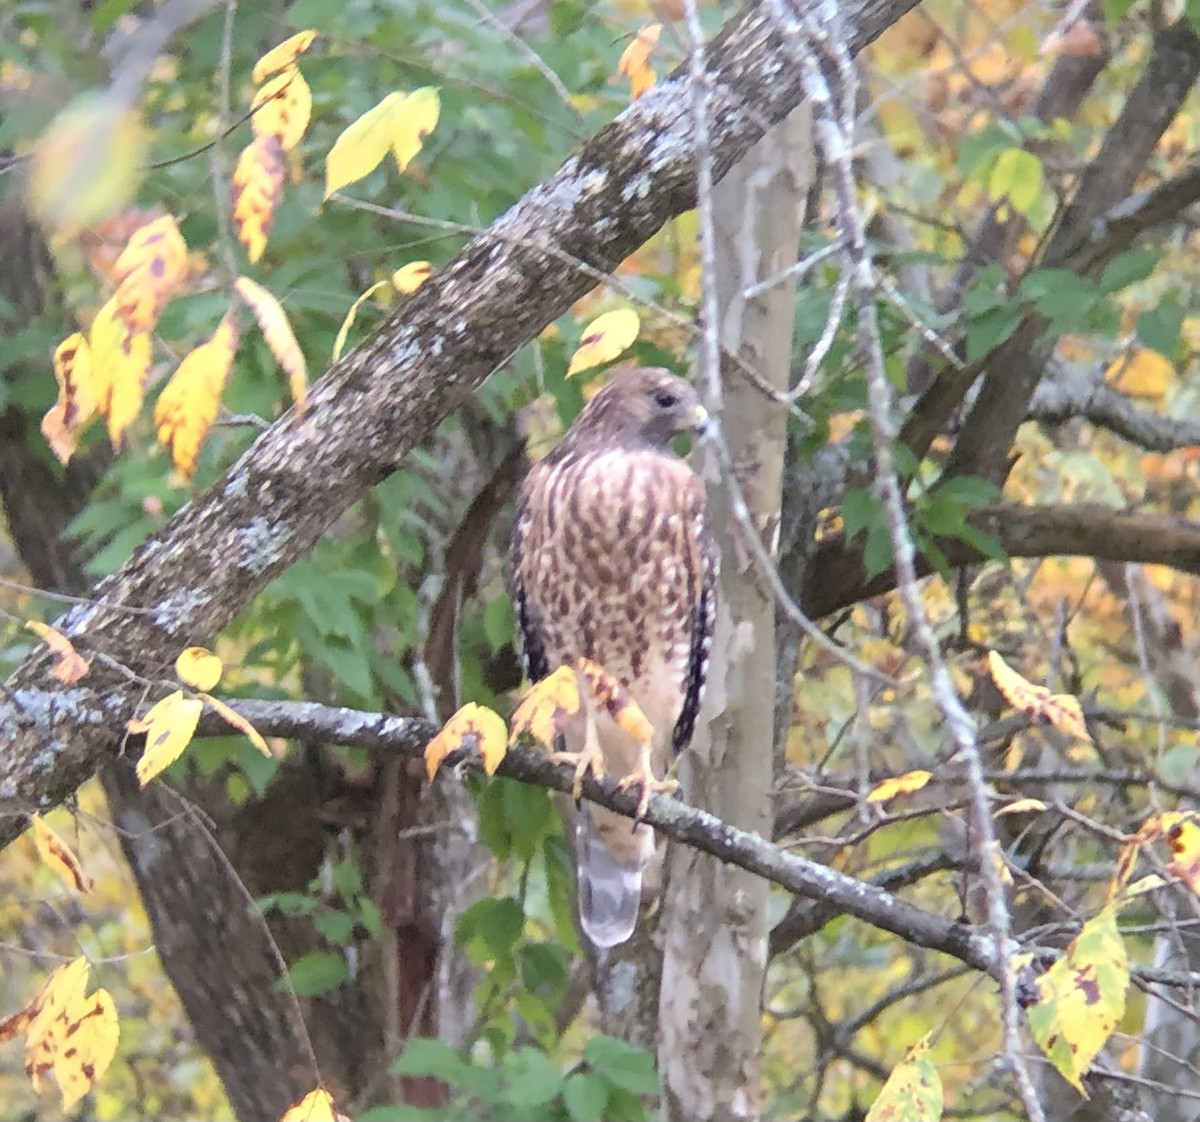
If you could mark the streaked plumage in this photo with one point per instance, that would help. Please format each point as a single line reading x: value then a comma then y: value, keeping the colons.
x: 612, y: 561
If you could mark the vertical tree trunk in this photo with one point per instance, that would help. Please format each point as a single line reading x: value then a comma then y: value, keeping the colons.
x: 715, y: 945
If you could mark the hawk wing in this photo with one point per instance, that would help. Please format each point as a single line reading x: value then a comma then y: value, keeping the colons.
x: 532, y: 642
x: 704, y: 619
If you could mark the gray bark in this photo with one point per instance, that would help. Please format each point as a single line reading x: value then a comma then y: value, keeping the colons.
x: 716, y: 919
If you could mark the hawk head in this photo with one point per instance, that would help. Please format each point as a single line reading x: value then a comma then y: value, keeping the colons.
x: 641, y: 406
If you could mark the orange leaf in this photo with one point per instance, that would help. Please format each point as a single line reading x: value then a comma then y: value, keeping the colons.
x: 169, y: 728
x: 634, y: 63
x: 189, y: 402
x: 904, y: 784
x: 282, y: 56
x: 257, y: 189
x: 240, y: 723
x: 199, y: 668
x: 76, y: 397
x: 120, y: 366
x: 273, y: 323
x: 473, y: 728
x: 282, y: 108
x: 152, y: 265
x: 1061, y: 710
x: 547, y: 708
x: 604, y: 339
x: 616, y: 700
x: 58, y: 856
x: 69, y: 664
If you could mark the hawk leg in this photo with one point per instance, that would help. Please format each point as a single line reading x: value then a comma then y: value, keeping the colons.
x: 644, y: 776
x: 589, y: 759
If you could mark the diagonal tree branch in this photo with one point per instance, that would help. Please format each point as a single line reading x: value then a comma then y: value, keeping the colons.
x: 217, y: 553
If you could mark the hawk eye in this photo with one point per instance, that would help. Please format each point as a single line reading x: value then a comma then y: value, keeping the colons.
x: 665, y: 399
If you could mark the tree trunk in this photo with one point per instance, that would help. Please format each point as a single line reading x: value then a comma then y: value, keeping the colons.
x: 716, y: 921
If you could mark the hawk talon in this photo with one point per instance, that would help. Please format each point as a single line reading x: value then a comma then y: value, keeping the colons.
x: 650, y: 786
x: 583, y: 762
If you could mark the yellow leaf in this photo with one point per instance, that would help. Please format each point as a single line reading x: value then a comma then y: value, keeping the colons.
x: 1021, y: 806
x: 59, y: 856
x: 76, y: 397
x: 87, y: 164
x: 273, y: 323
x: 240, y: 723
x: 547, y: 708
x: 1145, y: 373
x: 69, y: 664
x: 904, y: 784
x: 189, y: 402
x: 913, y: 1091
x: 282, y: 108
x: 616, y: 700
x: 120, y: 366
x: 362, y: 145
x: 151, y: 266
x: 316, y: 1106
x: 413, y: 122
x: 634, y: 63
x: 475, y: 729
x: 59, y: 993
x: 284, y: 55
x: 604, y: 339
x: 257, y: 189
x: 169, y: 728
x: 90, y: 1035
x: 199, y: 668
x: 407, y: 279
x: 1183, y: 837
x: 399, y: 124
x: 1081, y: 998
x: 351, y: 315
x: 1061, y: 710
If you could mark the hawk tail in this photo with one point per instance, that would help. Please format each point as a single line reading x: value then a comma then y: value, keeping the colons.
x: 612, y: 854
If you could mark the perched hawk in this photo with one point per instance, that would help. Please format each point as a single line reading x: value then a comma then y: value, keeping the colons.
x: 612, y: 562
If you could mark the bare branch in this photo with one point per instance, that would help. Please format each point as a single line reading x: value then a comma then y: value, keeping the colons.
x: 1071, y: 530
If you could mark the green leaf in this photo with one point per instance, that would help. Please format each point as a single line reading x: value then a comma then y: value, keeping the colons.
x: 496, y: 923
x: 424, y: 1055
x: 860, y: 511
x: 1159, y: 328
x: 318, y: 972
x: 585, y: 1096
x: 622, y: 1064
x: 969, y: 490
x: 1128, y: 268
x: 987, y: 331
x: 335, y: 926
x: 493, y: 820
x: 533, y: 1078
x: 529, y: 814
x: 1017, y: 174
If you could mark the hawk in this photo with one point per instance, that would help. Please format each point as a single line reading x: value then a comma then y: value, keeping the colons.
x: 612, y: 561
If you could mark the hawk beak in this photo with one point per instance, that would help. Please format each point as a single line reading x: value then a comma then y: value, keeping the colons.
x: 701, y: 422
